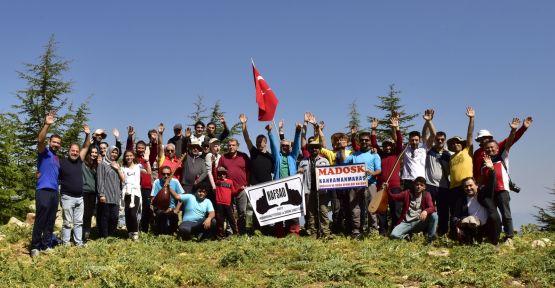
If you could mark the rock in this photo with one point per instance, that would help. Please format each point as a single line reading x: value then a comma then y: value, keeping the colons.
x: 16, y: 222
x: 517, y: 283
x: 439, y: 253
x: 538, y: 244
x: 2, y: 236
x: 547, y: 241
x: 30, y: 218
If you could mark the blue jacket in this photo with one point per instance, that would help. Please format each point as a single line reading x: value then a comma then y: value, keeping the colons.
x: 291, y: 158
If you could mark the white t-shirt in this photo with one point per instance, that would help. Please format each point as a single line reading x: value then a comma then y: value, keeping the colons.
x: 414, y: 163
x: 475, y: 209
x: 132, y: 176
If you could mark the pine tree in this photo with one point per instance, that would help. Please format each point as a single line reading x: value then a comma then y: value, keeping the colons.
x: 546, y: 216
x: 198, y: 113
x: 354, y: 117
x: 15, y: 189
x: 389, y: 104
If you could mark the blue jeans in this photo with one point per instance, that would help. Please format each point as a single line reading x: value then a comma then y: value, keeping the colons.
x: 73, y: 218
x: 429, y: 225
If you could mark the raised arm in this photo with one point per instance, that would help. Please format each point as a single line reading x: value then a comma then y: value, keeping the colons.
x: 273, y: 144
x: 243, y: 119
x: 510, y: 141
x: 160, y: 141
x: 296, y: 148
x: 470, y: 113
x: 115, y: 132
x: 354, y: 143
x: 321, y: 136
x: 87, y: 143
x: 49, y: 120
x: 130, y: 138
x: 281, y: 130
x: 428, y: 139
x: 224, y: 133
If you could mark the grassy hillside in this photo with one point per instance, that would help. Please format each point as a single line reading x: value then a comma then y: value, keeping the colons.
x: 260, y: 261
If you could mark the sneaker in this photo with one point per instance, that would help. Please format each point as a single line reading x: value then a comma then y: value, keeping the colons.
x: 34, y: 252
x: 135, y: 236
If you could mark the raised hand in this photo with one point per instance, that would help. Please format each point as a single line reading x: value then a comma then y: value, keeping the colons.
x: 161, y: 128
x: 321, y: 125
x: 395, y: 114
x: 115, y: 165
x: 487, y: 161
x: 86, y: 129
x: 374, y: 123
x: 221, y: 118
x: 130, y: 131
x: 428, y: 115
x: 394, y: 122
x: 188, y: 132
x: 280, y: 124
x: 527, y: 121
x: 307, y: 116
x: 115, y: 132
x: 515, y: 123
x: 298, y: 126
x: 268, y: 127
x: 243, y: 118
x: 470, y: 112
x: 50, y: 118
x: 312, y: 119
x: 354, y: 129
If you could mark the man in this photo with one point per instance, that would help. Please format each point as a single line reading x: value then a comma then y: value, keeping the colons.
x: 418, y: 213
x: 199, y: 215
x: 261, y: 164
x: 285, y: 165
x: 71, y: 190
x: 389, y: 153
x: 471, y: 218
x: 437, y: 170
x: 237, y: 165
x: 414, y: 160
x: 165, y: 219
x: 193, y: 167
x: 360, y: 197
x: 484, y: 136
x: 500, y: 159
x: 177, y: 139
x: 46, y: 195
x: 146, y: 177
x: 211, y: 130
x: 151, y: 153
x: 167, y: 157
x: 460, y: 165
x: 317, y: 199
x: 199, y: 132
x: 215, y: 147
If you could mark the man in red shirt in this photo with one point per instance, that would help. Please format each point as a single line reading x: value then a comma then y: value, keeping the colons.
x: 237, y: 165
x: 167, y: 157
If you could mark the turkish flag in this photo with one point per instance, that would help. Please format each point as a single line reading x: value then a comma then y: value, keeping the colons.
x: 265, y: 97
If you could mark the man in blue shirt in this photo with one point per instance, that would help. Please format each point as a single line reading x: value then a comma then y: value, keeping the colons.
x: 360, y: 197
x: 198, y: 215
x: 46, y: 196
x: 166, y: 214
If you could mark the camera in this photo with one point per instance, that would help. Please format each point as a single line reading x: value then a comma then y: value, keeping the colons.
x: 513, y: 187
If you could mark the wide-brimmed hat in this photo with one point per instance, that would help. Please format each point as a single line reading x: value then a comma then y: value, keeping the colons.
x: 482, y: 133
x: 195, y: 143
x: 177, y: 127
x: 214, y: 140
x: 314, y: 144
x: 456, y: 139
x: 471, y: 221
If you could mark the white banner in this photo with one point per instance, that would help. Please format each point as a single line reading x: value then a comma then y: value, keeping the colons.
x: 278, y: 200
x: 341, y: 177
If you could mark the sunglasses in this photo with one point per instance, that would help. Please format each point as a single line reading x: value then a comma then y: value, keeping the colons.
x: 170, y: 150
x: 364, y: 140
x: 166, y: 174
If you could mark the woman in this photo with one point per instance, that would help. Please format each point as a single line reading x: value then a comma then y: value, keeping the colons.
x: 109, y: 178
x: 89, y: 189
x: 132, y: 193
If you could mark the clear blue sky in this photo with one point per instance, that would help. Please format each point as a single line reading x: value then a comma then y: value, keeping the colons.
x: 144, y: 62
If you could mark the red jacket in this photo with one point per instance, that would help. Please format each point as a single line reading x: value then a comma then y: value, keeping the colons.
x: 426, y: 205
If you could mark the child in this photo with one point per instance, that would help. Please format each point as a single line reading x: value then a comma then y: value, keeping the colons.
x: 224, y: 210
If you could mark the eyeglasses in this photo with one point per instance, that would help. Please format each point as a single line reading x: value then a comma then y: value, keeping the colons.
x: 364, y: 140
x: 285, y: 146
x: 166, y: 174
x: 170, y: 150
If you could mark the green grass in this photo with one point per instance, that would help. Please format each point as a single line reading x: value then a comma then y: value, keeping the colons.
x: 260, y: 261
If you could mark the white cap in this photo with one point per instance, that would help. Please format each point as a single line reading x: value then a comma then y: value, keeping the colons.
x: 483, y: 133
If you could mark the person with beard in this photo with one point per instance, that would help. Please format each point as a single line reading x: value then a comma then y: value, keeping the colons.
x: 389, y: 152
x: 317, y: 199
x: 237, y: 165
x: 145, y: 177
x: 211, y: 130
x: 165, y: 214
x: 261, y: 163
x: 285, y: 165
x: 500, y: 159
x: 109, y: 178
x: 46, y: 195
x: 360, y: 197
x: 418, y: 214
x: 71, y: 190
x: 437, y: 171
x: 193, y: 167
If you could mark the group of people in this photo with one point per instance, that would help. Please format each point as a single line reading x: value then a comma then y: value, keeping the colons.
x: 431, y: 187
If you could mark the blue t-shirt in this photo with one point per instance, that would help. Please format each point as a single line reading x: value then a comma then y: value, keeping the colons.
x: 48, y: 166
x: 174, y: 184
x: 373, y: 162
x: 195, y: 211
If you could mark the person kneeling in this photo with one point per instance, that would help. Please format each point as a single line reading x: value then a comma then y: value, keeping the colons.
x: 198, y: 215
x: 418, y: 214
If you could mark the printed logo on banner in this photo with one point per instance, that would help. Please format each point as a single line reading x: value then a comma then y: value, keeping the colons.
x: 277, y: 200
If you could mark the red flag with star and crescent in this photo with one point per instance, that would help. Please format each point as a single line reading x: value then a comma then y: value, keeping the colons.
x: 265, y: 97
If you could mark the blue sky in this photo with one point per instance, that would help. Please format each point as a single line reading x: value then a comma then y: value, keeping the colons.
x: 143, y: 63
